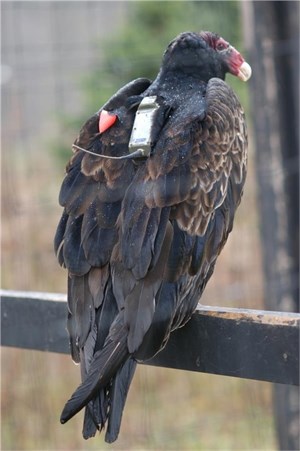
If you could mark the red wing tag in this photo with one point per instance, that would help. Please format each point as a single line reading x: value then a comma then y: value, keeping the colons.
x: 106, y: 120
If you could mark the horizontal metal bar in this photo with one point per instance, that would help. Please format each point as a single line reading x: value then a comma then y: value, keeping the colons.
x: 251, y: 344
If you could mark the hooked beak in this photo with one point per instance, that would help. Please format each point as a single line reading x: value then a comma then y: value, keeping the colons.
x: 237, y: 65
x: 244, y: 72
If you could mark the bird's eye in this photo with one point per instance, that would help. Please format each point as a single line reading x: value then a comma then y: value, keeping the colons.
x: 221, y: 45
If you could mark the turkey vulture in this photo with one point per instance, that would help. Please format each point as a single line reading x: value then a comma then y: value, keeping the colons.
x: 149, y: 199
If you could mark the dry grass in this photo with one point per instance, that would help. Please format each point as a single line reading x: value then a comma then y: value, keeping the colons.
x: 166, y: 409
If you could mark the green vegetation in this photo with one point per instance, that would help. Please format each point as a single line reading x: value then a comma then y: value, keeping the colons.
x: 136, y: 51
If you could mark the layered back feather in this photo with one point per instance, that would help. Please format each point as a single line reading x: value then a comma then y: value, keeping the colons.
x: 140, y: 238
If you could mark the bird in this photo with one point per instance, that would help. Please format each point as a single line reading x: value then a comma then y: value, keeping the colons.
x: 149, y: 198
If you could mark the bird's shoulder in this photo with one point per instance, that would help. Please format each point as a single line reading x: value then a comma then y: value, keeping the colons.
x: 202, y: 148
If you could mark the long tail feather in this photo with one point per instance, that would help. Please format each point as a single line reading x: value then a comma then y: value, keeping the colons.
x: 118, y: 395
x: 96, y: 414
x: 90, y: 426
x: 103, y: 367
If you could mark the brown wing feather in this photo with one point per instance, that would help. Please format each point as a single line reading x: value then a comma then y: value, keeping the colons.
x: 189, y: 171
x: 91, y: 195
x: 147, y: 235
x: 220, y: 155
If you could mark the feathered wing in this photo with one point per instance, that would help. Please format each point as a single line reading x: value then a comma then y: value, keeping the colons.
x: 141, y: 240
x: 195, y: 178
x: 91, y: 195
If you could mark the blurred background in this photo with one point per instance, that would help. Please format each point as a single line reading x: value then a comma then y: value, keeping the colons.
x: 60, y: 62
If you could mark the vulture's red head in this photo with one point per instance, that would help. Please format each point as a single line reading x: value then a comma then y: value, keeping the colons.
x: 206, y: 55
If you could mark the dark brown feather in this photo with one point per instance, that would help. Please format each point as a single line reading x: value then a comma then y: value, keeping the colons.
x: 140, y: 238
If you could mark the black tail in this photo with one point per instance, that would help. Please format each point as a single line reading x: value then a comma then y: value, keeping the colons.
x: 105, y: 364
x: 109, y: 404
x: 118, y: 395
